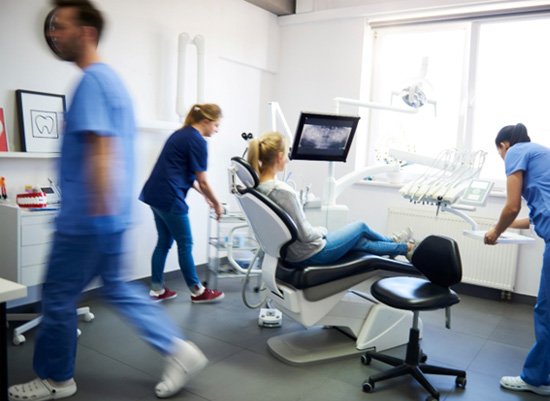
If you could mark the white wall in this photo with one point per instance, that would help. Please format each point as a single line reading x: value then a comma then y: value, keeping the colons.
x: 141, y: 44
x: 320, y: 59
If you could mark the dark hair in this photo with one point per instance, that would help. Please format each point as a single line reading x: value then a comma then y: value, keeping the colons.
x: 512, y: 134
x: 88, y: 14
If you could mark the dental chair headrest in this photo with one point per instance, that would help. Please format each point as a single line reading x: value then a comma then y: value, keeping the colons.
x: 247, y: 175
x: 434, y: 252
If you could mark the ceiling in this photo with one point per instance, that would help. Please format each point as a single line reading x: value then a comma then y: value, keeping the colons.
x: 277, y: 7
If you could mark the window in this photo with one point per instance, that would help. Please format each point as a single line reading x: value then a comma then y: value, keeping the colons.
x: 483, y: 74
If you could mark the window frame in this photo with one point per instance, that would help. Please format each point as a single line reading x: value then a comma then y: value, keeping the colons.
x: 463, y: 138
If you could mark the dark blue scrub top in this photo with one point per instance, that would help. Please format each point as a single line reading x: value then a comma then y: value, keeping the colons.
x: 184, y: 154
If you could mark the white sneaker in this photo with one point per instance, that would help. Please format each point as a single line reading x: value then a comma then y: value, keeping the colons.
x: 516, y: 383
x: 41, y: 390
x: 185, y: 361
x: 405, y: 236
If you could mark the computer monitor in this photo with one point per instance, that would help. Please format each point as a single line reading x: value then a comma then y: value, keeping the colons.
x: 325, y: 137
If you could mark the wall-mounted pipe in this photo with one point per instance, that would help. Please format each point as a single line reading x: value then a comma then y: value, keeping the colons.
x: 198, y: 41
x: 183, y: 41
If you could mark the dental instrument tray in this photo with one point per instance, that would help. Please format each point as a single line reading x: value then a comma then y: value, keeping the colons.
x: 505, y: 238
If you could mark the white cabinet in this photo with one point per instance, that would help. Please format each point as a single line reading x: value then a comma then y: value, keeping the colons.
x: 25, y: 245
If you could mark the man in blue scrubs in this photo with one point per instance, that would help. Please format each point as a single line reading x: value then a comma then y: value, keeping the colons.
x: 528, y: 176
x: 96, y: 173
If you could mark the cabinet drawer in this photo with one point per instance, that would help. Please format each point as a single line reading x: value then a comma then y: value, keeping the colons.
x: 33, y: 275
x: 38, y: 233
x: 45, y: 219
x: 34, y: 254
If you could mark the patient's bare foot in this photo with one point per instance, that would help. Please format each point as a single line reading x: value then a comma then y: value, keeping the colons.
x: 410, y: 250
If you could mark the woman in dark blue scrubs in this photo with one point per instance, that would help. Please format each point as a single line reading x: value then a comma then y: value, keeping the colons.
x: 181, y: 165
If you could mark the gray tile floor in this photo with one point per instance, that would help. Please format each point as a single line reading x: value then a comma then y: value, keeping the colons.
x: 488, y: 339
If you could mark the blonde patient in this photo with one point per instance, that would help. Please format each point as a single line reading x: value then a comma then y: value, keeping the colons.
x: 315, y: 245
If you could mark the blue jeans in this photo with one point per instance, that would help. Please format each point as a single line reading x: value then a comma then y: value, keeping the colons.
x: 355, y: 237
x: 172, y: 227
x: 74, y: 261
x: 536, y: 369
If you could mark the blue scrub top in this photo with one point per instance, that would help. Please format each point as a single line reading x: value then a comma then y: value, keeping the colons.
x: 100, y: 105
x: 184, y: 154
x: 534, y: 161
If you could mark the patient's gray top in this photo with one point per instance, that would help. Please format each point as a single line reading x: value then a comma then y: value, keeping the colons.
x: 310, y: 239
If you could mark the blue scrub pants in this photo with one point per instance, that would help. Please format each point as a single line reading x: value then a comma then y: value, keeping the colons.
x: 536, y: 368
x: 73, y: 263
x: 170, y: 227
x: 355, y: 237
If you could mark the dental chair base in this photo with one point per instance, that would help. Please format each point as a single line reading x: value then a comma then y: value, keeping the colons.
x: 352, y: 325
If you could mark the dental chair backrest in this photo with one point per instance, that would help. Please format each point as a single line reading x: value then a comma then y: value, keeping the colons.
x: 273, y: 228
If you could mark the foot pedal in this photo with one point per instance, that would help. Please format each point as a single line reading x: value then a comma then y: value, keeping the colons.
x: 270, y: 317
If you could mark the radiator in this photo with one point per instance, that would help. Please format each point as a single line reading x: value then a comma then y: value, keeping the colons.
x: 483, y: 265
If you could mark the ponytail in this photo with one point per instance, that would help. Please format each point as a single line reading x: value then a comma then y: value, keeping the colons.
x: 263, y: 151
x: 254, y: 154
x: 199, y: 112
x: 512, y: 134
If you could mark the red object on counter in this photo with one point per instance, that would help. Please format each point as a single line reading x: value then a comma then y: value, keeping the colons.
x: 32, y: 199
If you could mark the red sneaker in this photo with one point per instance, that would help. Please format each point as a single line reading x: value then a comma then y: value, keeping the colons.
x: 162, y: 295
x: 207, y: 296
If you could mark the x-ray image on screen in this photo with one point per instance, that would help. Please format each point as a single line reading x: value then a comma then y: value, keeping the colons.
x: 323, y: 137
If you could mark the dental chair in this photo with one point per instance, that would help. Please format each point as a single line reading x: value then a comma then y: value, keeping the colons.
x: 347, y: 321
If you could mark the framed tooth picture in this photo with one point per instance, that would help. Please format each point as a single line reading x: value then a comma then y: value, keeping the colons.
x: 3, y: 132
x: 41, y: 119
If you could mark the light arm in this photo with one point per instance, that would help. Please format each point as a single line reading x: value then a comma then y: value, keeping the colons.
x: 205, y: 189
x: 511, y: 208
x: 98, y: 168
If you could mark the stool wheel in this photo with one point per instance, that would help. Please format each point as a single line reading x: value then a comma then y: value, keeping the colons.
x: 368, y: 386
x: 18, y: 339
x: 366, y: 359
x: 88, y: 317
x: 423, y: 357
x: 460, y: 382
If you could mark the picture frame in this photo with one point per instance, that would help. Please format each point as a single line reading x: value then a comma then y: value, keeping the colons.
x: 4, y: 147
x: 41, y: 120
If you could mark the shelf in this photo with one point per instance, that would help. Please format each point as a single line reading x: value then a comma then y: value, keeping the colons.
x: 28, y: 155
x: 230, y: 218
x: 155, y: 126
x: 249, y: 245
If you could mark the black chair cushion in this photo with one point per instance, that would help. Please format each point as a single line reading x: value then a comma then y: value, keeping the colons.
x: 318, y: 282
x: 351, y: 264
x: 413, y: 293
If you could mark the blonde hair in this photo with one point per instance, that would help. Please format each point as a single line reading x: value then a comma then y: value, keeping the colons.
x: 199, y: 112
x: 263, y: 151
